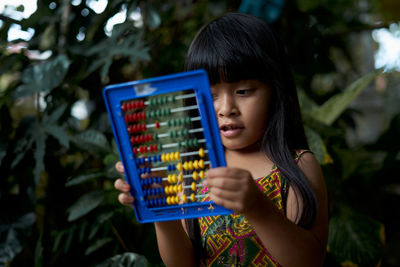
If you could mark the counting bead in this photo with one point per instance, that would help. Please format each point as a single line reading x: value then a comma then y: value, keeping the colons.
x: 196, y: 164
x: 177, y: 199
x: 193, y: 197
x: 201, y: 152
x: 190, y: 165
x: 201, y: 174
x: 201, y: 164
x: 193, y: 186
x: 195, y: 175
x: 185, y: 166
x: 184, y: 198
x: 179, y: 166
x: 180, y: 177
x: 157, y: 125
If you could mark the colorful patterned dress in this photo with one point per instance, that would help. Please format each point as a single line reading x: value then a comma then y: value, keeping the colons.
x: 229, y: 240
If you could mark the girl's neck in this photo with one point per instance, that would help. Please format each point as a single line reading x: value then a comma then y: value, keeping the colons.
x: 253, y: 160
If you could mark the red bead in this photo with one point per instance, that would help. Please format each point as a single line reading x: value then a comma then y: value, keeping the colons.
x: 157, y: 125
x: 134, y: 150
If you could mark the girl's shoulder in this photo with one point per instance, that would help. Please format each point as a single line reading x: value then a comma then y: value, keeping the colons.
x: 298, y: 153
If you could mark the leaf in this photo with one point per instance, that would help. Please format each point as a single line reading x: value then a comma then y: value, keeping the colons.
x: 334, y: 107
x: 57, y: 113
x: 317, y: 146
x: 92, y: 140
x: 127, y: 259
x: 307, y: 5
x: 85, y: 204
x: 25, y: 221
x: 84, y: 178
x: 58, y: 133
x: 355, y: 238
x: 38, y: 153
x: 98, y: 244
x: 9, y: 247
x: 43, y: 77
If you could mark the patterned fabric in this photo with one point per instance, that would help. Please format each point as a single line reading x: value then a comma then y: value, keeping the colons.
x: 229, y: 240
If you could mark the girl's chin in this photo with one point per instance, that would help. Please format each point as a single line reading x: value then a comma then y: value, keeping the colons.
x: 240, y: 146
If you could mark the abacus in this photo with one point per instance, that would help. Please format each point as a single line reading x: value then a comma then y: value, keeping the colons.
x: 167, y: 136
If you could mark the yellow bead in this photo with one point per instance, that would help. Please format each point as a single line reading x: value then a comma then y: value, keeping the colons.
x: 174, y: 178
x: 185, y: 166
x: 162, y: 157
x: 190, y: 165
x: 167, y: 158
x: 193, y: 197
x: 175, y: 189
x: 201, y: 164
x: 201, y: 153
x: 194, y: 186
x: 166, y: 190
x: 196, y: 164
x: 180, y: 188
x: 170, y: 178
x: 180, y: 177
x: 179, y: 166
x: 177, y: 155
x: 201, y: 174
x: 169, y: 200
x: 194, y: 175
x: 184, y: 198
x: 177, y: 199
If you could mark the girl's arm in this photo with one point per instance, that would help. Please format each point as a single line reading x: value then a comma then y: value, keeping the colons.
x: 174, y: 244
x: 288, y: 243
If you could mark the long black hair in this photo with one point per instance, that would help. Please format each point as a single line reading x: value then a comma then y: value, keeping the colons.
x: 239, y: 47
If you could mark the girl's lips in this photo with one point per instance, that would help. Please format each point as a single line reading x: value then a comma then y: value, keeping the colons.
x: 230, y: 131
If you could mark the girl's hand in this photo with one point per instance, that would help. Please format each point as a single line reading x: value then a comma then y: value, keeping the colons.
x: 124, y: 197
x: 232, y: 188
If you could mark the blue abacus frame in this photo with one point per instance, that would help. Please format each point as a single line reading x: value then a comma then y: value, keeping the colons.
x: 197, y: 81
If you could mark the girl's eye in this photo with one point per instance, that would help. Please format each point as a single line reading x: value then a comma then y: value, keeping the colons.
x: 243, y: 91
x: 214, y: 96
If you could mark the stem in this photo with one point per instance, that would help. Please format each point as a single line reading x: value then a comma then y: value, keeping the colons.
x: 115, y: 231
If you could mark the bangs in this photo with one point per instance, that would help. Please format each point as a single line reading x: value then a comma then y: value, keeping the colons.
x: 229, y: 57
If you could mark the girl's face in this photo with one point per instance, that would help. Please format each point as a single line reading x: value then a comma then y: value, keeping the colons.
x: 241, y: 110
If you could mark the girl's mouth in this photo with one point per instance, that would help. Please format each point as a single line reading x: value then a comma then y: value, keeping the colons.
x: 230, y: 130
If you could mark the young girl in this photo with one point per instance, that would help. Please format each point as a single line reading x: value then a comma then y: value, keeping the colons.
x: 272, y: 182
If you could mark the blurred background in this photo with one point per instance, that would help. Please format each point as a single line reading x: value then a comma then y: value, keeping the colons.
x: 57, y: 153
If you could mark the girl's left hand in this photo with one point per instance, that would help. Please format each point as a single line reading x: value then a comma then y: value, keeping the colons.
x: 232, y: 188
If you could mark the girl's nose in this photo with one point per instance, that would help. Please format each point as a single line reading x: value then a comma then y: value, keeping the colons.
x: 227, y: 106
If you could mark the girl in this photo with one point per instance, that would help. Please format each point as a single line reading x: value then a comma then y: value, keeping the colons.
x: 272, y: 182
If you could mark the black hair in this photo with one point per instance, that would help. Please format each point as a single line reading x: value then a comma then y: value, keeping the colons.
x: 238, y: 47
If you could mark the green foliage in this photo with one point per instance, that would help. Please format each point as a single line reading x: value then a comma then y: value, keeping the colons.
x: 58, y: 170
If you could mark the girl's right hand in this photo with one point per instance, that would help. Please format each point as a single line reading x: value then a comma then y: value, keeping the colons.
x: 121, y: 185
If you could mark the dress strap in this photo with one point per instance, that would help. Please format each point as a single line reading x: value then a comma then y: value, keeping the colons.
x: 299, y: 153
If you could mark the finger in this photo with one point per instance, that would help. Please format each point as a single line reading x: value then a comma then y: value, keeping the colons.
x: 122, y: 186
x: 226, y: 183
x: 224, y: 194
x: 226, y: 172
x: 227, y: 203
x: 119, y: 167
x: 125, y: 199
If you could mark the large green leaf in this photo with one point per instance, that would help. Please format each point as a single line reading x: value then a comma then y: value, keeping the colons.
x: 355, y: 238
x: 84, y: 178
x: 85, y: 204
x: 127, y: 259
x: 98, y: 244
x: 93, y: 141
x: 58, y: 133
x: 334, y: 107
x: 43, y: 77
x: 316, y: 144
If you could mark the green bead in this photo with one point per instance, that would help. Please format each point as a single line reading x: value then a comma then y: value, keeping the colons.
x: 195, y: 142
